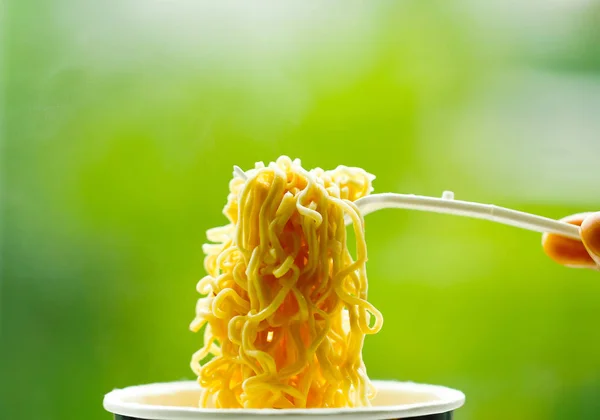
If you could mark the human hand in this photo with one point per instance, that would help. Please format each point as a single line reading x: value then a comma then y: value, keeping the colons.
x: 571, y: 253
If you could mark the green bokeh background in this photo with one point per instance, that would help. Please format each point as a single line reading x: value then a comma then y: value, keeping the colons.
x: 122, y: 121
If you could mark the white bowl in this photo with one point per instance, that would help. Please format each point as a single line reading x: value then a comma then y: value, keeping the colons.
x: 178, y: 401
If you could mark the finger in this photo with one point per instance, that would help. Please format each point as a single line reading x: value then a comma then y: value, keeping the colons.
x: 590, y: 235
x: 566, y: 251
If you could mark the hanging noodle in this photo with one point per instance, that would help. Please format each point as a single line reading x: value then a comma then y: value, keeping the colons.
x: 286, y: 311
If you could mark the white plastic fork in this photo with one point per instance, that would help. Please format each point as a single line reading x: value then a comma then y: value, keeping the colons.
x: 448, y: 205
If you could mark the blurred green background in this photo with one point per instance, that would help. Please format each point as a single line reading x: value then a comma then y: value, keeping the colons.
x: 123, y: 120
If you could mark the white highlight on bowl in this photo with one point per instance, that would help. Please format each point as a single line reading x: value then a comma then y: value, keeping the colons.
x: 178, y: 400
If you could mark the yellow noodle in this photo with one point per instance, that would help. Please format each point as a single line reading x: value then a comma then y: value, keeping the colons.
x: 285, y: 309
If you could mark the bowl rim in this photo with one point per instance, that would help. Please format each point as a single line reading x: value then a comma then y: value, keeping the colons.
x: 447, y: 400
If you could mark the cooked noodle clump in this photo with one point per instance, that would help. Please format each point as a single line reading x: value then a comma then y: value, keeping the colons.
x: 285, y: 311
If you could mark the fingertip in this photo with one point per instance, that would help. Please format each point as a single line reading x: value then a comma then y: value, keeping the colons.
x: 567, y: 251
x: 590, y: 234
